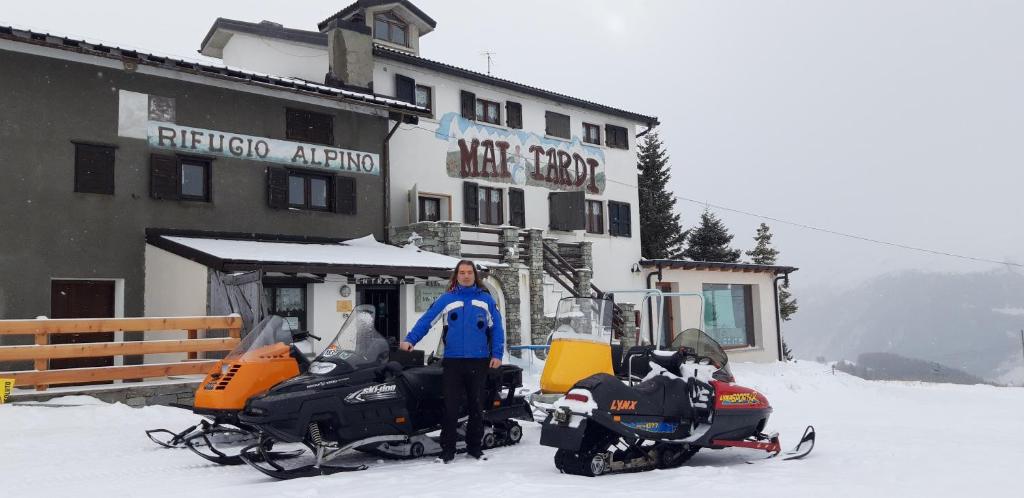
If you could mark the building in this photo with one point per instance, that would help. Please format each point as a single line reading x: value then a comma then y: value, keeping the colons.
x: 493, y: 154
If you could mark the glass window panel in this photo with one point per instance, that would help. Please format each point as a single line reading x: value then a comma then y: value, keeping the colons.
x: 724, y: 313
x: 193, y: 180
x: 423, y: 96
x: 398, y: 34
x: 318, y: 192
x: 296, y: 190
x: 479, y: 110
x: 380, y: 29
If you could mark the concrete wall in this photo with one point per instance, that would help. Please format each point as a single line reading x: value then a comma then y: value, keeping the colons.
x: 280, y: 57
x: 48, y: 230
x: 686, y: 310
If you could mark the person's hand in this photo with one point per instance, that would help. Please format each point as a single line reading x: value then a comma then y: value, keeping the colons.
x: 495, y: 363
x: 405, y: 346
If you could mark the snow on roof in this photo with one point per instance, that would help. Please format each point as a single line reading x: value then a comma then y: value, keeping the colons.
x: 364, y: 251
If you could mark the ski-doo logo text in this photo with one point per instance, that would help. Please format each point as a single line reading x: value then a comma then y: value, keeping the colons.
x: 623, y: 404
x: 373, y: 393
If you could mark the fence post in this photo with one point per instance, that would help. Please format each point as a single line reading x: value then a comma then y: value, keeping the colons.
x: 42, y: 339
x: 193, y: 334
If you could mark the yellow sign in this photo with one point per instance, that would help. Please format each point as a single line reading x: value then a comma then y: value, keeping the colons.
x: 344, y: 306
x: 5, y: 389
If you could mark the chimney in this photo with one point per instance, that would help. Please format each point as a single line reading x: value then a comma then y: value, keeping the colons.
x: 350, y: 54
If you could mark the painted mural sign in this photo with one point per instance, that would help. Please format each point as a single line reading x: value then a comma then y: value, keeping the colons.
x: 518, y: 157
x: 426, y: 294
x: 237, y: 146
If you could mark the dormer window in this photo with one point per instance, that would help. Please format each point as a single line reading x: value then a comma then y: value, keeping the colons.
x: 390, y: 28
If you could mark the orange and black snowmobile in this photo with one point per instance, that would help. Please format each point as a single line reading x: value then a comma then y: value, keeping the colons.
x: 269, y: 354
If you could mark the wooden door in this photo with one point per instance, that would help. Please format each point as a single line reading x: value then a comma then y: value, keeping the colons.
x: 81, y: 299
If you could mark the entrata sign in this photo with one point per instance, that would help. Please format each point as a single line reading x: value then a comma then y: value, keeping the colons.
x: 521, y: 158
x: 220, y: 143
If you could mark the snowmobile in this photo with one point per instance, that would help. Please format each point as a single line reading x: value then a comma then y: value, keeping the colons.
x: 355, y: 396
x: 270, y: 353
x: 687, y: 401
x: 582, y: 342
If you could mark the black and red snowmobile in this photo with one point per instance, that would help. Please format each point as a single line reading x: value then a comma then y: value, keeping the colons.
x: 687, y: 401
x: 355, y: 397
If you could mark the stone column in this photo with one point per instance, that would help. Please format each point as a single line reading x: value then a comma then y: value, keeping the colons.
x: 535, y: 263
x: 587, y: 254
x: 583, y: 276
x: 629, y: 326
x: 509, y: 240
x: 450, y: 238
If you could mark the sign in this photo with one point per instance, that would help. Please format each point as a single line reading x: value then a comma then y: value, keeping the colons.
x: 517, y: 157
x: 220, y: 143
x: 378, y: 281
x: 5, y: 389
x: 426, y: 294
x: 344, y: 306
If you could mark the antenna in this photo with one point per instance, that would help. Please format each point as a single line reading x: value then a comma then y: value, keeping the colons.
x: 489, y: 55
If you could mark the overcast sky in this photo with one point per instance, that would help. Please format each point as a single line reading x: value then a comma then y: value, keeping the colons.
x: 898, y: 120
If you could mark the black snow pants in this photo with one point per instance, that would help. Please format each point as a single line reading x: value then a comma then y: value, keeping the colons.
x: 463, y: 378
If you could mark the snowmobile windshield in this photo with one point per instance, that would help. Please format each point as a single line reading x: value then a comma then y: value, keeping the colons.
x: 358, y: 344
x: 697, y: 343
x: 581, y: 318
x: 271, y: 330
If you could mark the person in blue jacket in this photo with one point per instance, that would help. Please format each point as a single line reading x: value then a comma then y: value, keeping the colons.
x: 474, y: 340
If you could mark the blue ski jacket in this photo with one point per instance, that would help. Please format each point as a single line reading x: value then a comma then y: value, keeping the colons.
x: 472, y: 320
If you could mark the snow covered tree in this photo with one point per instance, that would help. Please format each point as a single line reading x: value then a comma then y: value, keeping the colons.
x: 710, y: 240
x: 661, y: 236
x: 763, y: 253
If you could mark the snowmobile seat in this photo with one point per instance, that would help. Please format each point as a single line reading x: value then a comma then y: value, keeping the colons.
x: 639, y: 356
x: 660, y: 395
x: 408, y: 359
x: 423, y: 382
x: 617, y: 358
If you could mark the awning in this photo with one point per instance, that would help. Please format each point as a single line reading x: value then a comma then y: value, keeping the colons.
x: 362, y: 256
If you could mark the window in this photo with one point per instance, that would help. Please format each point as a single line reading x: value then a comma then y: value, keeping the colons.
x: 308, y: 191
x: 390, y: 28
x: 94, y: 169
x: 179, y: 178
x: 616, y: 136
x: 194, y: 179
x: 514, y: 115
x: 430, y: 209
x: 619, y: 219
x: 729, y: 314
x: 595, y: 217
x: 567, y: 211
x: 591, y: 133
x: 556, y: 125
x: 308, y: 126
x: 491, y: 206
x: 516, y: 207
x: 424, y: 97
x: 288, y: 302
x: 487, y: 111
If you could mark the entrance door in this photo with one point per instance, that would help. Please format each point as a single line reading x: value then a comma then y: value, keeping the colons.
x: 81, y: 299
x: 385, y: 300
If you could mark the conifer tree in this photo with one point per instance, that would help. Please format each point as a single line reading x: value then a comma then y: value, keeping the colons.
x: 710, y: 240
x: 764, y: 254
x: 661, y: 236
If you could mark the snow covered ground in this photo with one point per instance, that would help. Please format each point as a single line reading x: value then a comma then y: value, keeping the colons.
x: 874, y: 439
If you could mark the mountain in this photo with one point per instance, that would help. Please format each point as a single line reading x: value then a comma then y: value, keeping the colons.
x: 969, y: 321
x: 889, y: 366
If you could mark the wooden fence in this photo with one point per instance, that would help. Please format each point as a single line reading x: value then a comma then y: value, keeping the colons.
x: 42, y: 350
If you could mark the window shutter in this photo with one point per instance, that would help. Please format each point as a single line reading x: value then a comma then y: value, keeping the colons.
x: 470, y: 203
x: 556, y: 125
x: 277, y: 188
x: 405, y: 88
x: 163, y: 177
x: 567, y: 210
x: 516, y: 208
x: 613, y: 218
x: 468, y: 105
x: 344, y: 195
x: 514, y: 114
x: 94, y: 169
x: 625, y: 224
